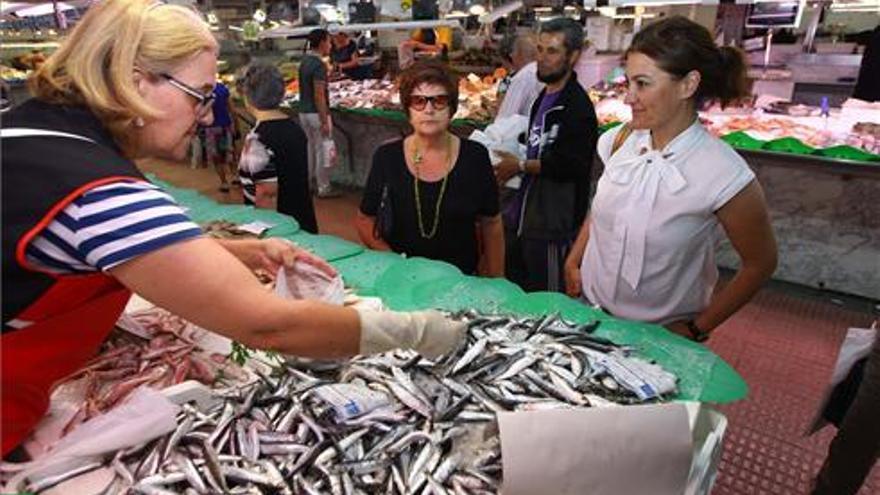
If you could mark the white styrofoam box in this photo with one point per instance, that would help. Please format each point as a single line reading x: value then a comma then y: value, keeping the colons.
x: 707, y: 432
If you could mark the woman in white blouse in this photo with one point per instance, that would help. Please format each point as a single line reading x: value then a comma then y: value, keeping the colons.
x: 646, y: 252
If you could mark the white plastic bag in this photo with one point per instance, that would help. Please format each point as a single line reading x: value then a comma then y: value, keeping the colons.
x: 503, y: 135
x: 146, y: 415
x: 328, y: 148
x: 305, y: 281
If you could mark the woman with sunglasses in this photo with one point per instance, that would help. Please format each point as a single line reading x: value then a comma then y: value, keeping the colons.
x: 83, y: 229
x: 433, y: 194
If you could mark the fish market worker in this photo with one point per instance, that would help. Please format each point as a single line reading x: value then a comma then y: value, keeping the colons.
x: 646, y: 251
x: 83, y: 228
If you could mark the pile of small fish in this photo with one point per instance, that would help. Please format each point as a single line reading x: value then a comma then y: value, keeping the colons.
x: 168, y: 356
x: 391, y: 423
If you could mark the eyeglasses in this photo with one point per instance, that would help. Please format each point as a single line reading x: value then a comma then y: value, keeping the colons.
x: 419, y: 102
x: 204, y: 100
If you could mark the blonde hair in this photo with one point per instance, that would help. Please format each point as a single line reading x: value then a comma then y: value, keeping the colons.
x: 95, y: 65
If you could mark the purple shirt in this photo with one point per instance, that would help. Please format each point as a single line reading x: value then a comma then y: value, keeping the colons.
x: 537, y: 127
x: 536, y: 130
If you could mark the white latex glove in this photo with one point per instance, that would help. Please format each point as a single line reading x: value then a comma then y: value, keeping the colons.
x: 429, y: 333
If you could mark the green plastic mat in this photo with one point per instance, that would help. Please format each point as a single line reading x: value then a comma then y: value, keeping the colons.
x: 362, y: 270
x: 846, y: 152
x: 789, y: 145
x: 462, y: 291
x: 703, y: 376
x: 326, y: 246
x: 742, y: 140
x: 397, y: 284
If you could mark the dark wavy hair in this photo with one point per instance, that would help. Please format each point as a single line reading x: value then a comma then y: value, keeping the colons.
x: 428, y: 72
x: 678, y: 45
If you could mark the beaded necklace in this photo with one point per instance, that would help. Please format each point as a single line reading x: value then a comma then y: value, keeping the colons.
x: 417, y: 161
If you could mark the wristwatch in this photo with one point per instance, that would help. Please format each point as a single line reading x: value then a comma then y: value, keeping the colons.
x: 697, y: 334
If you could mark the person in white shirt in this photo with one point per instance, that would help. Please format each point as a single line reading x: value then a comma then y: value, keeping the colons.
x: 646, y: 251
x: 523, y: 87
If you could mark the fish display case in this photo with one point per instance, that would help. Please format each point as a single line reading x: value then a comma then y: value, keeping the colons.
x: 392, y: 423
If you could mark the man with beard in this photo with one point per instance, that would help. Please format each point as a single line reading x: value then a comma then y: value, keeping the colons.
x: 543, y: 218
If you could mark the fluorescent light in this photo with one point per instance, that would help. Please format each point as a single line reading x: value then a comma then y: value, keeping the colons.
x: 477, y: 9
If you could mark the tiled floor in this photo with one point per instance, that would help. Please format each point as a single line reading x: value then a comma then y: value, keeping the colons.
x: 783, y: 343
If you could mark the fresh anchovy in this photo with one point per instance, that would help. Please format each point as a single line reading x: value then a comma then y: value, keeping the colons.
x: 278, y: 435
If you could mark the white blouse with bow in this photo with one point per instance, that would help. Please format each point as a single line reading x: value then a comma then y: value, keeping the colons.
x: 653, y: 230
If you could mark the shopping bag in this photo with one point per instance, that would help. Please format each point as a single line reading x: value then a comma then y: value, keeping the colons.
x: 328, y: 148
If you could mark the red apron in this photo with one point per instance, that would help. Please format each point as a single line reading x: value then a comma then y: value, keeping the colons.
x: 70, y: 321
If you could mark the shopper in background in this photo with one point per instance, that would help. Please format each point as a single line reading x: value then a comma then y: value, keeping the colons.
x: 432, y: 193
x: 218, y: 138
x: 344, y: 56
x: 647, y: 250
x: 543, y: 218
x: 314, y: 110
x: 868, y: 84
x: 82, y: 228
x: 856, y: 446
x: 424, y: 40
x: 523, y: 86
x: 274, y: 166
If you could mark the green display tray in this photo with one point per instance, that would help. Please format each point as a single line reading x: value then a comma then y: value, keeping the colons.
x: 742, y: 140
x: 789, y: 145
x: 845, y: 152
x: 362, y: 270
x: 326, y: 246
x: 462, y: 292
x: 397, y: 284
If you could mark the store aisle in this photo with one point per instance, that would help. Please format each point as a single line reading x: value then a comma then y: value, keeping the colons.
x: 783, y: 343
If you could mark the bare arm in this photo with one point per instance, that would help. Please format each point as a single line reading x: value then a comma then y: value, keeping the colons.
x: 267, y: 195
x: 747, y: 224
x: 492, y: 234
x: 195, y: 279
x: 366, y: 225
x: 322, y: 105
x: 352, y: 63
x: 573, y: 261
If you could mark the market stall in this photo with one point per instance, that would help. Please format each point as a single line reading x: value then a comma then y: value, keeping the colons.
x: 392, y: 423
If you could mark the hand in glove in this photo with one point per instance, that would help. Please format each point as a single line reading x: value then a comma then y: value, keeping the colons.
x: 429, y: 333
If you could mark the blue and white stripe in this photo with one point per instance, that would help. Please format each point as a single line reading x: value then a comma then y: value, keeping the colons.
x: 109, y: 225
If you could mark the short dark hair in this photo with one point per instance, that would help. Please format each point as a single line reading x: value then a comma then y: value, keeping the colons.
x: 678, y: 45
x: 317, y: 36
x: 428, y: 72
x: 263, y: 86
x: 573, y: 32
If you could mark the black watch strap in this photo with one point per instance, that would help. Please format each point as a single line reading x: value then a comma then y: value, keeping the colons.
x: 697, y: 333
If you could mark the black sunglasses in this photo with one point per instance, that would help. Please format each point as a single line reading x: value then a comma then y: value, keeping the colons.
x: 204, y: 100
x: 419, y: 102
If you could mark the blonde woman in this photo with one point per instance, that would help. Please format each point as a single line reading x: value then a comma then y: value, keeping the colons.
x: 82, y: 228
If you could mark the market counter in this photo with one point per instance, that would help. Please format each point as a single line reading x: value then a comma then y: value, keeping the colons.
x: 415, y: 283
x: 826, y: 217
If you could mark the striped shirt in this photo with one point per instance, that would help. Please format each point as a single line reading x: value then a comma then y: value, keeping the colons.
x: 109, y: 225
